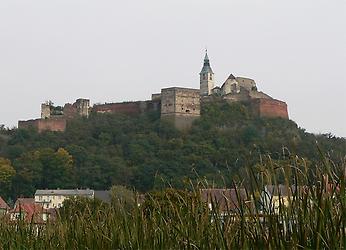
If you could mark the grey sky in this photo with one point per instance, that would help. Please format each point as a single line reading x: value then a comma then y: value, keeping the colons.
x: 125, y: 50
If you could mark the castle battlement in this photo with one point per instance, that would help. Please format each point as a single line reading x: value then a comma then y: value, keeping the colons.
x: 179, y: 105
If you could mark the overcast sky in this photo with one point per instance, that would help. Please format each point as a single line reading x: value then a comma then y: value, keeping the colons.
x: 125, y: 50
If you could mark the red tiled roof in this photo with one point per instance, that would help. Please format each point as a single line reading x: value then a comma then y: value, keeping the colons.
x: 3, y: 204
x: 33, y: 212
x: 25, y: 201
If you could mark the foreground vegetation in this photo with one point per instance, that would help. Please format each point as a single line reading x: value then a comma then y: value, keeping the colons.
x: 314, y: 217
x: 140, y: 151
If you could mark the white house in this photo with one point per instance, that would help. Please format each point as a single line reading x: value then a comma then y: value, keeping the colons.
x: 53, y: 198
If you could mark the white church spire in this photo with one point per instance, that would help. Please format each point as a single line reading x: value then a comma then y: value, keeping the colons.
x: 206, y: 77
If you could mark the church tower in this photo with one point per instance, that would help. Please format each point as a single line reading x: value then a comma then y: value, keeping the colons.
x: 206, y: 77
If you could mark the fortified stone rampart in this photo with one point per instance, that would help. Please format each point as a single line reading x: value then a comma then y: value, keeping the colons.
x: 53, y: 124
x: 121, y: 108
x: 180, y: 105
x: 127, y: 108
x: 269, y: 108
x: 54, y: 118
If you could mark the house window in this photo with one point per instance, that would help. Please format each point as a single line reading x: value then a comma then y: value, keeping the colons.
x: 211, y: 77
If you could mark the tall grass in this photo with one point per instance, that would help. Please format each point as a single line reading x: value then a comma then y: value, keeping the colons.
x: 314, y: 217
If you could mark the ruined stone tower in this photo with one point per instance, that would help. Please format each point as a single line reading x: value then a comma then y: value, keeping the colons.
x: 206, y: 77
x: 83, y: 106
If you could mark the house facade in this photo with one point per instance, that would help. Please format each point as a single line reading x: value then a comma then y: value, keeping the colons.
x: 54, y: 198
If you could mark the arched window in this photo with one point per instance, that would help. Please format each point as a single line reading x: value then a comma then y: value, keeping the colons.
x: 211, y: 77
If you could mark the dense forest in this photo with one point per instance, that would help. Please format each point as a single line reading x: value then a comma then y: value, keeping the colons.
x: 146, y: 153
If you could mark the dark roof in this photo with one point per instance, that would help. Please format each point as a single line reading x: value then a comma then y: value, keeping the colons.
x: 231, y: 76
x: 65, y: 192
x: 103, y: 195
x: 217, y: 87
x: 3, y: 204
x: 226, y: 199
x: 206, y: 65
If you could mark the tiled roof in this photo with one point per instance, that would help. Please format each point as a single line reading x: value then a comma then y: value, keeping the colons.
x: 3, y: 204
x: 25, y: 201
x: 33, y: 212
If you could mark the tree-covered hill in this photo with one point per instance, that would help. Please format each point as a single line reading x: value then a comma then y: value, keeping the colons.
x: 143, y: 151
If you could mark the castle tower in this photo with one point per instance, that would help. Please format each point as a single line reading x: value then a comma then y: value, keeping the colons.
x: 180, y: 106
x: 45, y: 110
x: 83, y: 106
x: 206, y: 77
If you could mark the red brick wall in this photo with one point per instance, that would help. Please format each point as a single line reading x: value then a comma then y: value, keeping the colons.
x: 269, y: 108
x: 58, y: 125
x: 122, y: 108
x: 52, y: 125
x: 70, y: 111
x: 28, y: 124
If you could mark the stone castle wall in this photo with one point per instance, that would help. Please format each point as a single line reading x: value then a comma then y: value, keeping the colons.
x: 122, y: 108
x: 269, y: 108
x: 53, y: 124
x: 127, y: 108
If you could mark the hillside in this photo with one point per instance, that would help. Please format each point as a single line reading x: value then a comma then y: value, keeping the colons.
x: 143, y: 152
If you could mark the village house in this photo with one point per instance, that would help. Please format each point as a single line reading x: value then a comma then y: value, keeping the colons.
x: 54, y: 198
x: 227, y: 201
x: 27, y: 210
x: 274, y: 197
x: 4, y: 208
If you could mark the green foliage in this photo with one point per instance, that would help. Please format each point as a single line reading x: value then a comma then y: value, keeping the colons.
x: 123, y: 198
x: 7, y: 173
x: 311, y: 217
x: 80, y: 206
x: 145, y: 153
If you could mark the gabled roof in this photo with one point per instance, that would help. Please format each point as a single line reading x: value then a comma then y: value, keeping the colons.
x: 231, y: 76
x: 32, y: 212
x: 3, y: 204
x: 29, y: 208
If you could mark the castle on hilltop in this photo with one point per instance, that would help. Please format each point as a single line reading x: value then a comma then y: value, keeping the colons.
x: 181, y: 106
